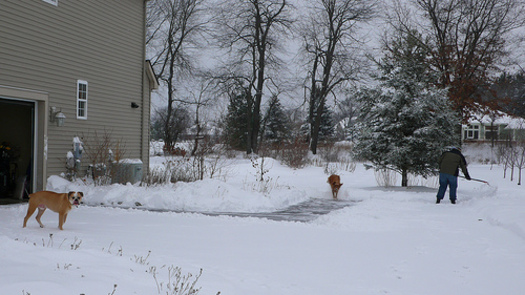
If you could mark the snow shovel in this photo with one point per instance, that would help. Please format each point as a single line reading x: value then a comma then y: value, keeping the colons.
x: 478, y: 180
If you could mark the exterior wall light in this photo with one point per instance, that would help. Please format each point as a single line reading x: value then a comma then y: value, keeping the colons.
x: 57, y: 116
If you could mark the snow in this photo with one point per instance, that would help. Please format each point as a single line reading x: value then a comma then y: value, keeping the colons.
x: 499, y: 118
x: 76, y: 139
x: 130, y: 161
x: 390, y: 241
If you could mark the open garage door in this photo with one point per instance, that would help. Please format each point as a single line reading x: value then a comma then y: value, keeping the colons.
x: 17, y: 147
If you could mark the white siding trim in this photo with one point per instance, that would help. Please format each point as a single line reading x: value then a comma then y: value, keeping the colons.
x: 82, y: 99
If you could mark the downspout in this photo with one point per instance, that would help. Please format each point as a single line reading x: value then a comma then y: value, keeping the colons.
x: 143, y: 94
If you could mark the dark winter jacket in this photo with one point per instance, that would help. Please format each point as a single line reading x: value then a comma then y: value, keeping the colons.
x: 450, y: 161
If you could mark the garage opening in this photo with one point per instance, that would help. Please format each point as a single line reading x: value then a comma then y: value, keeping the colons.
x: 17, y: 130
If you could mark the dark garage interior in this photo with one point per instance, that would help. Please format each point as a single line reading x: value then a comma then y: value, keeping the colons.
x: 16, y: 148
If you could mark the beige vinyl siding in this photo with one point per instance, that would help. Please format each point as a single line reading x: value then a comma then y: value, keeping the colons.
x: 48, y: 48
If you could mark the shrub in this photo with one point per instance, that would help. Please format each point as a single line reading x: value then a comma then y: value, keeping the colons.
x: 294, y: 154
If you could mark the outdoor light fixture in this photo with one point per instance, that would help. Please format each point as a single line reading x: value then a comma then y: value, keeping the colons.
x: 134, y: 105
x: 57, y: 116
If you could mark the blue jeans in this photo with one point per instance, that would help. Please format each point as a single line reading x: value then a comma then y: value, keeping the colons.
x: 450, y: 180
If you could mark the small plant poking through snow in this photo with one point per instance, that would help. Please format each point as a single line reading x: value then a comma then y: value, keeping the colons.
x: 49, y: 242
x: 142, y: 260
x: 260, y: 169
x: 76, y: 244
x: 178, y: 284
x: 263, y: 183
x: 66, y: 266
x: 114, y: 289
x: 108, y: 250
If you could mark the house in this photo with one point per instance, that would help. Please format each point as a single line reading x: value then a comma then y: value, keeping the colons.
x: 495, y: 126
x: 68, y: 70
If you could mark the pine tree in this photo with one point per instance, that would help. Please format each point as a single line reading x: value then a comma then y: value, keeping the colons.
x: 326, y: 126
x: 236, y: 122
x: 406, y: 121
x: 277, y: 126
x: 508, y: 92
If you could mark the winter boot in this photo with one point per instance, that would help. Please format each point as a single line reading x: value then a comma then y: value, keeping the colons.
x: 438, y: 200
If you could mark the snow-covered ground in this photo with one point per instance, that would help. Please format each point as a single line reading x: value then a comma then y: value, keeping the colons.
x: 391, y: 241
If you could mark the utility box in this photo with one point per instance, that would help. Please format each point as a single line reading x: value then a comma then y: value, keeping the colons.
x: 127, y: 170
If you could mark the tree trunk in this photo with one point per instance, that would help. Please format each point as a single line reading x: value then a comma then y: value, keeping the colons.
x: 316, y: 126
x: 198, y: 133
x: 404, y: 177
x: 168, y: 140
x: 249, y: 119
x: 322, y: 93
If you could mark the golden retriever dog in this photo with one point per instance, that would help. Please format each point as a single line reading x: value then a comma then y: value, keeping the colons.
x: 60, y: 203
x: 335, y: 184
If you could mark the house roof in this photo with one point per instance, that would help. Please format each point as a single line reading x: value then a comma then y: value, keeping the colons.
x: 154, y: 83
x: 499, y: 118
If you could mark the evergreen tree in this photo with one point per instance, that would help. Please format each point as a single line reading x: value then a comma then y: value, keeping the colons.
x: 326, y: 125
x: 277, y: 125
x: 406, y: 122
x: 236, y: 122
x: 508, y: 92
x: 156, y: 128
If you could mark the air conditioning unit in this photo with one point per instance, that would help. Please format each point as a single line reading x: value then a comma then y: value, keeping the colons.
x: 127, y: 170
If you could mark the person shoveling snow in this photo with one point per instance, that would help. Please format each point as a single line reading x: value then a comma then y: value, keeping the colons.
x: 449, y: 164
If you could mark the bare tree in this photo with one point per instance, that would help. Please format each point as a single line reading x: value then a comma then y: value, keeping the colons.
x: 468, y: 41
x: 520, y: 158
x: 174, y: 26
x: 250, y: 31
x: 330, y: 48
x: 199, y: 95
x: 503, y: 152
x: 173, y: 123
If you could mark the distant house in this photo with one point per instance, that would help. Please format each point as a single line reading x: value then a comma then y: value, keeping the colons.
x: 69, y: 69
x: 495, y: 126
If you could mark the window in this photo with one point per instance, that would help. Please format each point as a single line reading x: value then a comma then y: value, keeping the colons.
x: 54, y: 2
x: 82, y: 99
x: 472, y: 132
x: 491, y: 132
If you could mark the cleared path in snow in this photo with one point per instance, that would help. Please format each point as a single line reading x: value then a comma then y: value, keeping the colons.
x: 302, y: 212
